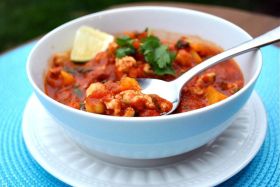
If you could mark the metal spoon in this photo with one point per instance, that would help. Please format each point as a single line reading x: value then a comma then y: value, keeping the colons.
x: 171, y: 91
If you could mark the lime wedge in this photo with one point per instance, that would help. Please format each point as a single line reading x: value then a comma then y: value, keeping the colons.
x: 88, y: 42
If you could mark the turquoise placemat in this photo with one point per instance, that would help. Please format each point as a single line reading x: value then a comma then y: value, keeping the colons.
x: 18, y: 168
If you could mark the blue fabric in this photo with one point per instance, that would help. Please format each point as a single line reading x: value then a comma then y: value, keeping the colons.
x: 18, y: 168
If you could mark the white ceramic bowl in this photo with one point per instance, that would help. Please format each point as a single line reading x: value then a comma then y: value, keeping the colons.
x: 146, y: 137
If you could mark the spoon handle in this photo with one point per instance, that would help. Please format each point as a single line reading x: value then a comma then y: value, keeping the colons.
x: 264, y: 39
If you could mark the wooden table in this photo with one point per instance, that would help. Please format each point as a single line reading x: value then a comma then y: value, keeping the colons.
x: 254, y: 23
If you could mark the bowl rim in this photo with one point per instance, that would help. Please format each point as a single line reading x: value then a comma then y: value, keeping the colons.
x: 140, y: 119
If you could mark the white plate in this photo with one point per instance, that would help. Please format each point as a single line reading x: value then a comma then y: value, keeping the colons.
x: 207, y: 166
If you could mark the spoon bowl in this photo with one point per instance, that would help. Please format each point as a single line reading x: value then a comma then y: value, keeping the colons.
x: 171, y: 90
x: 164, y: 89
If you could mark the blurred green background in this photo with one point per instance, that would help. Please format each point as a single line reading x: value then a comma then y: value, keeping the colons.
x: 21, y: 20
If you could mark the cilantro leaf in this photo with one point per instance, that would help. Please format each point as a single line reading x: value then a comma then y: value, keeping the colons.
x: 165, y: 71
x: 70, y: 70
x: 149, y: 57
x: 124, y: 51
x: 126, y: 48
x: 124, y: 41
x: 149, y: 44
x: 162, y: 56
x: 157, y: 55
x: 78, y: 92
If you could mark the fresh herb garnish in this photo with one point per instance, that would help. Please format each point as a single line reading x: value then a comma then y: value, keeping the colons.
x: 78, y: 92
x: 76, y: 70
x: 162, y: 56
x: 124, y: 41
x: 70, y: 70
x: 126, y: 47
x: 83, y: 69
x: 125, y: 51
x: 82, y: 106
x: 157, y: 55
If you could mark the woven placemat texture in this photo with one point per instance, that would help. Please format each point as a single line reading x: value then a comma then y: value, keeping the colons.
x: 18, y: 168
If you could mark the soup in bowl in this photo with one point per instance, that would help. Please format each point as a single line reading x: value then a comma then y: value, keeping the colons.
x: 105, y: 82
x: 82, y: 97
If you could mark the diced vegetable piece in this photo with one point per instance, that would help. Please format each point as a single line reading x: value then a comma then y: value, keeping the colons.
x: 96, y: 87
x: 213, y: 95
x: 74, y: 104
x: 136, y: 44
x: 196, y: 90
x: 209, y: 77
x: 67, y: 77
x: 187, y: 58
x: 184, y: 58
x: 94, y: 106
x: 129, y: 112
x: 115, y: 105
x: 127, y: 83
x: 124, y: 64
x: 127, y: 96
x: 202, y: 47
x: 165, y: 106
x: 206, y: 78
x: 197, y: 59
x: 60, y: 58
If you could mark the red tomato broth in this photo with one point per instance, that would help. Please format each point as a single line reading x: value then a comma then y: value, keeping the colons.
x: 213, y: 85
